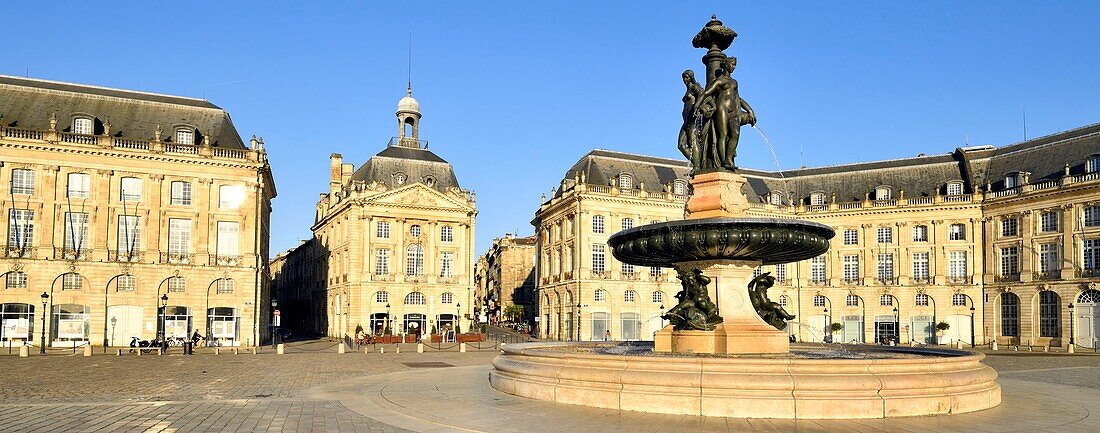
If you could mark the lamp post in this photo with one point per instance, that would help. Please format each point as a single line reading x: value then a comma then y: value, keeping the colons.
x: 388, y: 322
x: 972, y: 308
x: 897, y: 324
x: 828, y: 331
x: 114, y: 324
x: 458, y: 311
x: 42, y: 347
x: 274, y: 323
x: 164, y: 320
x: 661, y: 316
x: 577, y: 322
x: 1071, y: 324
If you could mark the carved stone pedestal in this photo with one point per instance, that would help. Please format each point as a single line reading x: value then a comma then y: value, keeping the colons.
x: 717, y: 194
x: 742, y: 331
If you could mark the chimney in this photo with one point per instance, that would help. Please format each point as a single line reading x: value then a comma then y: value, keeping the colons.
x: 345, y: 173
x: 335, y: 176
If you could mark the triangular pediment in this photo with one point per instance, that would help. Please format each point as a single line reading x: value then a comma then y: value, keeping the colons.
x: 419, y: 196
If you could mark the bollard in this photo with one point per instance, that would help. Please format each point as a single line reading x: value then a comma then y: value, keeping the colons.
x: 1015, y: 348
x: 119, y: 352
x: 139, y: 351
x: 994, y: 346
x: 24, y: 351
x: 462, y: 347
x: 1069, y: 349
x: 280, y: 349
x: 1029, y: 348
x: 1046, y: 348
x: 160, y: 351
x: 398, y: 349
x: 958, y: 344
x: 382, y: 350
x: 419, y: 347
x: 341, y: 348
x: 88, y: 350
x: 366, y: 349
x: 253, y: 350
x: 217, y: 351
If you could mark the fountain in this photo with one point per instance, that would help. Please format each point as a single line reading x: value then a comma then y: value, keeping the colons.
x: 729, y: 357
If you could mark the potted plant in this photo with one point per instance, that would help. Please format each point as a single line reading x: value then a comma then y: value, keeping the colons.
x: 833, y: 329
x: 941, y: 328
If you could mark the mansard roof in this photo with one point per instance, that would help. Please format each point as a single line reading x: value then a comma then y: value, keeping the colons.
x: 417, y: 164
x: 30, y: 103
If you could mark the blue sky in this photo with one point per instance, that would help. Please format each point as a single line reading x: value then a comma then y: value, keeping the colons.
x: 513, y: 93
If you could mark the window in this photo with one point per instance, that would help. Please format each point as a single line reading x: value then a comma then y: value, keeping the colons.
x: 400, y: 178
x: 956, y: 265
x: 1049, y: 310
x: 446, y: 264
x: 601, y: 325
x: 1010, y: 315
x: 625, y: 181
x: 817, y: 270
x: 130, y: 189
x: 414, y: 298
x: 20, y: 228
x: 956, y: 232
x: 22, y: 182
x: 600, y: 295
x: 382, y: 230
x: 775, y: 198
x: 1092, y: 216
x: 381, y: 261
x: 72, y: 281
x: 179, y: 236
x: 658, y: 297
x: 679, y: 188
x: 885, y: 268
x: 185, y: 136
x: 129, y: 235
x: 1010, y: 227
x: 414, y: 231
x: 429, y: 181
x: 227, y: 238
x: 886, y: 300
x: 78, y: 185
x: 920, y: 267
x: 628, y: 223
x: 181, y: 193
x: 230, y: 196
x: 177, y: 285
x: 598, y: 261
x: 784, y: 300
x: 447, y: 298
x: 654, y: 271
x: 631, y: 326
x: 1048, y: 221
x: 597, y: 223
x: 126, y: 283
x: 882, y: 193
x: 851, y: 236
x: 82, y: 125
x: 817, y: 199
x: 1091, y: 249
x: 758, y: 271
x: 630, y: 296
x: 225, y: 286
x: 626, y: 269
x: 382, y: 296
x: 885, y: 235
x: 1010, y: 261
x: 414, y: 260
x: 921, y: 300
x: 920, y: 233
x: 819, y: 301
x: 851, y: 268
x: 781, y: 272
x: 958, y: 300
x: 447, y: 234
x: 76, y: 231
x: 954, y: 188
x: 851, y: 301
x: 16, y: 280
x: 1048, y: 258
x: 1092, y: 165
x: 1010, y: 181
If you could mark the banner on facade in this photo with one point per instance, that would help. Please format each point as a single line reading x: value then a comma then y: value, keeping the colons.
x: 70, y: 328
x: 17, y: 328
x: 224, y: 329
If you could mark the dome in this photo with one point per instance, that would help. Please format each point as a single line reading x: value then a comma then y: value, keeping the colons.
x: 408, y: 103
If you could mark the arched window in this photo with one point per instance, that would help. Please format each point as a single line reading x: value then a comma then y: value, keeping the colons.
x: 82, y: 125
x: 1010, y: 315
x: 447, y: 298
x: 414, y: 231
x: 600, y: 295
x: 882, y: 193
x: 430, y: 181
x: 381, y: 296
x: 72, y: 281
x: 185, y: 136
x: 819, y: 300
x: 225, y: 286
x: 597, y: 224
x: 399, y: 178
x: 958, y: 300
x: 817, y: 199
x: 414, y: 298
x: 679, y: 187
x: 886, y: 300
x: 414, y: 260
x: 16, y: 280
x: 851, y: 301
x: 921, y: 300
x: 625, y: 181
x: 1050, y: 324
x: 658, y: 296
x: 954, y: 188
x: 1089, y: 297
x: 784, y: 300
x: 775, y: 198
x: 630, y: 296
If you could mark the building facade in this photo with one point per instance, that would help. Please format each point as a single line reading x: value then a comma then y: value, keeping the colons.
x: 392, y: 248
x: 129, y: 214
x: 997, y: 243
x: 507, y: 276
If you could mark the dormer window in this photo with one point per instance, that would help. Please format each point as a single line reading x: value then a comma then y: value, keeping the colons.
x: 1011, y: 180
x: 430, y: 181
x: 954, y: 188
x: 1092, y: 165
x: 82, y: 125
x: 817, y: 199
x: 400, y: 178
x: 882, y: 193
x: 679, y: 187
x: 775, y: 198
x: 625, y: 181
x: 185, y: 136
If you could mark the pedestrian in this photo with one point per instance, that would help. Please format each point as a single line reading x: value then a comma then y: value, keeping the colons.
x: 607, y: 335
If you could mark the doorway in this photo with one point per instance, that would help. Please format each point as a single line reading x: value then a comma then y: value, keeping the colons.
x: 123, y: 323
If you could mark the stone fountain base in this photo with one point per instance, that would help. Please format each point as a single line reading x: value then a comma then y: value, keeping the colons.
x: 727, y: 338
x: 872, y: 383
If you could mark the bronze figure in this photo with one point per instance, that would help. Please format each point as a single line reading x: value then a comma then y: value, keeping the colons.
x: 688, y: 142
x: 695, y: 311
x: 771, y: 312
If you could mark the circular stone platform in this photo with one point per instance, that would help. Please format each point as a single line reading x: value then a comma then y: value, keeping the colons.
x: 868, y: 382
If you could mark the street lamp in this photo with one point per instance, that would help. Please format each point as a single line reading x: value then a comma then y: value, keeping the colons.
x: 42, y: 347
x: 458, y: 311
x: 114, y: 324
x: 1071, y: 324
x: 577, y: 323
x: 897, y: 324
x: 164, y: 320
x: 971, y: 325
x: 274, y: 323
x: 661, y: 317
x: 386, y: 325
x: 828, y: 331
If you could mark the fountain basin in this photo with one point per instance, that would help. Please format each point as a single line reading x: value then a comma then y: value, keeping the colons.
x: 765, y: 240
x: 876, y: 382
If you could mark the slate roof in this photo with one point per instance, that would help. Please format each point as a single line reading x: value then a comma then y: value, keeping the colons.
x: 1043, y: 157
x: 416, y: 163
x: 29, y: 103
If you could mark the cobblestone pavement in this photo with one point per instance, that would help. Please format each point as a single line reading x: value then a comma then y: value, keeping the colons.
x: 201, y: 393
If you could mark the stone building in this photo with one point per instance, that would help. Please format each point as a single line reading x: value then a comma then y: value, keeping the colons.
x: 508, y: 277
x: 998, y: 240
x: 129, y: 214
x: 392, y: 246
